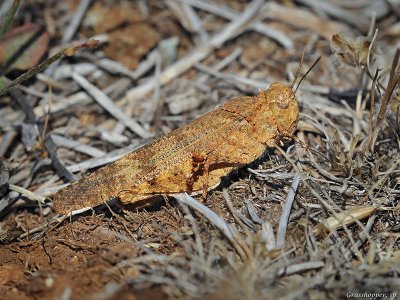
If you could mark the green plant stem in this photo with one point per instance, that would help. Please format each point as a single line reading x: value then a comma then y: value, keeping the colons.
x: 32, y: 72
x: 70, y: 51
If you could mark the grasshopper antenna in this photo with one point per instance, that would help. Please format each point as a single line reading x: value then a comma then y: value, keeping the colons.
x: 298, y: 71
x: 308, y: 71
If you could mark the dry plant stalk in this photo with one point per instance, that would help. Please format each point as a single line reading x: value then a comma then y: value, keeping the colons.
x: 70, y: 51
x: 354, y: 52
x: 344, y: 218
x: 192, y: 158
x: 389, y: 95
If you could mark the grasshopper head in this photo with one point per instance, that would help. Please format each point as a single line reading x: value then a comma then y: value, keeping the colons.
x: 284, y: 107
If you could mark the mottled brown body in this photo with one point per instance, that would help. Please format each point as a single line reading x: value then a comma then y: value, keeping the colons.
x: 193, y: 157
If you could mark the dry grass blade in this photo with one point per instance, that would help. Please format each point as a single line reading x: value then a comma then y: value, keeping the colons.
x: 217, y: 221
x: 209, y: 214
x: 371, y: 111
x: 107, y: 103
x: 344, y: 218
x: 233, y: 29
x: 35, y: 70
x: 102, y: 160
x: 61, y: 141
x: 261, y: 28
x: 286, y: 212
x: 303, y: 18
x: 28, y: 194
x: 61, y: 170
x: 260, y: 234
x: 75, y: 21
x: 336, y: 11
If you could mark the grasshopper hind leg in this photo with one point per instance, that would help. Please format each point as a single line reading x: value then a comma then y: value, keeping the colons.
x: 200, y: 168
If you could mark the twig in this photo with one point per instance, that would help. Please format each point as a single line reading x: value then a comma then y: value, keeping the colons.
x: 230, y: 31
x: 232, y: 209
x: 293, y: 269
x: 195, y: 22
x: 100, y: 161
x: 302, y: 18
x: 48, y: 143
x: 72, y: 27
x: 195, y: 228
x: 65, y: 71
x: 188, y: 18
x: 329, y: 205
x: 271, y: 175
x: 45, y: 227
x: 379, y: 184
x: 77, y: 98
x: 217, y: 221
x: 220, y: 65
x: 108, y: 105
x: 149, y: 113
x: 208, y: 213
x: 6, y: 141
x: 392, y: 84
x: 145, y: 65
x: 32, y: 72
x: 31, y: 90
x: 260, y: 27
x: 61, y: 141
x: 115, y: 67
x: 61, y: 170
x: 253, y: 214
x: 113, y: 137
x: 393, y: 81
x: 26, y: 193
x: 24, y: 105
x: 40, y: 67
x: 235, y: 78
x: 347, y: 16
x: 76, y: 20
x: 364, y: 235
x: 372, y: 96
x: 286, y: 212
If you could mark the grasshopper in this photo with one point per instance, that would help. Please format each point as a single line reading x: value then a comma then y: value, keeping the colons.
x: 195, y: 157
x: 192, y: 158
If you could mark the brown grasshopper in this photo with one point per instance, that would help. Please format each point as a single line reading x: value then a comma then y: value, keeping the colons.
x: 192, y: 158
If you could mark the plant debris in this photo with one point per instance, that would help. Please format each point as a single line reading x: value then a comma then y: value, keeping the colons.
x: 314, y: 218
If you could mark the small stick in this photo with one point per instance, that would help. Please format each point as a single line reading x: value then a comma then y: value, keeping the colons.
x: 75, y: 21
x: 26, y: 193
x: 218, y: 222
x: 108, y: 105
x: 61, y: 141
x: 286, y: 212
x: 233, y: 29
x: 40, y: 67
x: 222, y: 11
x: 72, y: 27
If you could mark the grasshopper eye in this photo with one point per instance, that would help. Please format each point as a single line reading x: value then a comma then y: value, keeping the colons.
x: 284, y: 98
x: 280, y: 95
x: 283, y: 103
